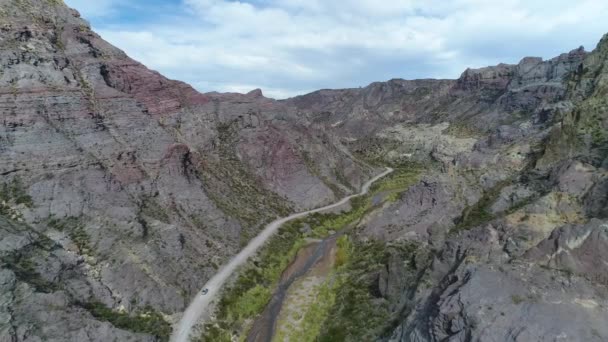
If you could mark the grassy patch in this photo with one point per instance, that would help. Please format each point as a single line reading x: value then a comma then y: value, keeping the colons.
x: 323, y: 224
x: 463, y: 130
x: 356, y: 315
x: 253, y: 301
x: 399, y: 180
x: 394, y: 184
x: 146, y: 321
x: 344, y: 250
x: 327, y: 293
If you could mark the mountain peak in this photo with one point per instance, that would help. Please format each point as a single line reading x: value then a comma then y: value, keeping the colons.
x: 603, y: 43
x: 256, y: 93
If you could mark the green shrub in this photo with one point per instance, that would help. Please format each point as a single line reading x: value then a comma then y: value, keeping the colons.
x: 248, y: 296
x: 398, y: 180
x: 463, y: 130
x: 25, y: 270
x: 517, y: 299
x: 250, y: 293
x: 355, y: 315
x: 253, y: 301
x: 15, y: 191
x: 64, y: 224
x: 479, y: 213
x: 319, y: 311
x: 344, y: 250
x: 147, y: 321
x: 74, y: 227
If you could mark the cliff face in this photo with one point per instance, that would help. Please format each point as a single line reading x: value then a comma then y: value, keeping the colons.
x: 484, y: 98
x: 509, y: 218
x: 140, y: 186
x: 121, y: 191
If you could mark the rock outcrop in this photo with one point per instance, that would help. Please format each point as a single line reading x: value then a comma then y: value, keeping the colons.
x: 122, y: 191
x: 146, y: 184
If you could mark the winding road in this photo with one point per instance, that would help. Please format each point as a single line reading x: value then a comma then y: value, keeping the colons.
x: 201, y: 302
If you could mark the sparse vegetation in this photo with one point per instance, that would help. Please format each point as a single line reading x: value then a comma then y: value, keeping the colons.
x: 25, y: 270
x: 63, y: 224
x: 341, y: 178
x: 314, y: 170
x: 531, y: 298
x: 24, y: 262
x: 316, y: 313
x: 81, y: 239
x: 517, y: 299
x: 14, y: 191
x: 150, y: 207
x: 463, y: 130
x: 74, y: 227
x: 234, y: 189
x: 146, y: 321
x: 375, y: 150
x: 592, y: 121
x: 479, y: 213
x: 521, y: 204
x: 247, y: 297
x: 398, y: 181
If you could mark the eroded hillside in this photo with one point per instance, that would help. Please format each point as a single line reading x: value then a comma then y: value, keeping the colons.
x: 122, y: 192
x: 141, y: 185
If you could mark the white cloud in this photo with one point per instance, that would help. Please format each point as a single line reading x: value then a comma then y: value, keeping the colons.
x: 96, y: 8
x: 287, y: 47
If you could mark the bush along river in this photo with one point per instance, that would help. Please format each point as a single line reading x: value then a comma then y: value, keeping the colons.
x: 308, y: 272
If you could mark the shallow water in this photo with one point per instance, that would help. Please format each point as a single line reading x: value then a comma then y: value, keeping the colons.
x: 263, y: 328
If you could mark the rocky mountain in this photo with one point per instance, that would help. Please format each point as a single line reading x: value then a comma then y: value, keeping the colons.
x: 122, y: 192
x: 141, y: 185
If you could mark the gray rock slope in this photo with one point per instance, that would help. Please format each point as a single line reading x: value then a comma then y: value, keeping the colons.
x: 142, y: 185
x: 121, y: 191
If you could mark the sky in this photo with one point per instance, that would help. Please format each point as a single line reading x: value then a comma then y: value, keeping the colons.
x: 292, y: 47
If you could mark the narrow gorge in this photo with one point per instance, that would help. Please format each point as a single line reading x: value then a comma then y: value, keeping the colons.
x: 123, y: 192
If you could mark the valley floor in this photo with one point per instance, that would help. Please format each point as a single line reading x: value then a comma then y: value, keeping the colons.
x: 214, y: 286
